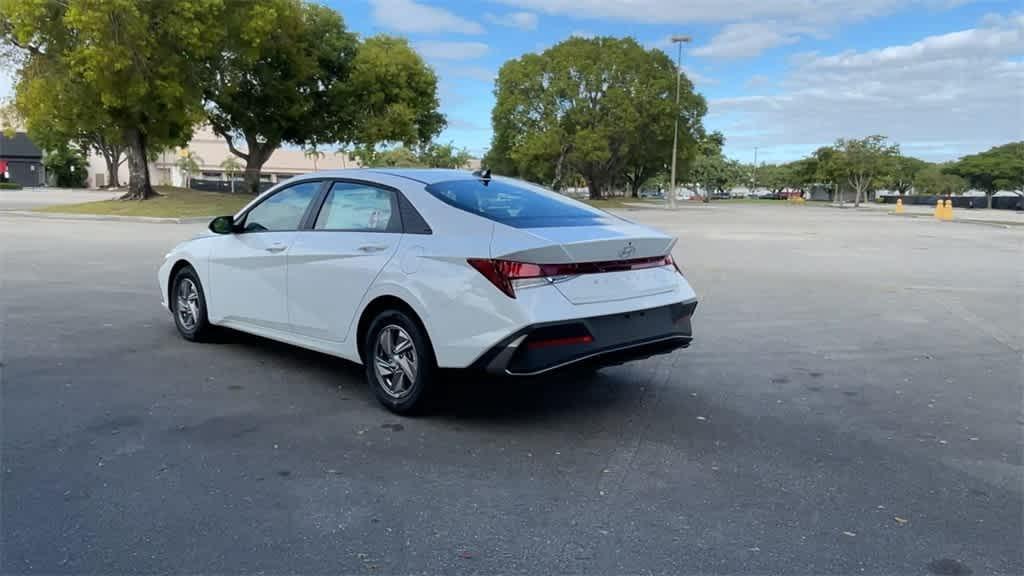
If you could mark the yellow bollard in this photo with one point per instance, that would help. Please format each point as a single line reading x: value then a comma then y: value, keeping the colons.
x: 947, y: 213
x: 938, y: 209
x: 899, y: 206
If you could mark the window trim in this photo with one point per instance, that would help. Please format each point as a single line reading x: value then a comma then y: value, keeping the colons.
x: 406, y: 211
x: 314, y: 201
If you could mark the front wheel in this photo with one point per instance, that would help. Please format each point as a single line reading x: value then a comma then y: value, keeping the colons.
x: 399, y: 362
x: 189, y: 306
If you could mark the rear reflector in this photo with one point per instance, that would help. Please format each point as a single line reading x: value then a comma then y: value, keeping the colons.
x: 585, y: 339
x: 502, y: 273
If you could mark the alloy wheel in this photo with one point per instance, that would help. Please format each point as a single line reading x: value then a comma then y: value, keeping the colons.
x: 188, y: 304
x: 395, y: 361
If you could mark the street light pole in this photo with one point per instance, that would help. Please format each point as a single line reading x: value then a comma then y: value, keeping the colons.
x: 678, y: 40
x: 753, y: 185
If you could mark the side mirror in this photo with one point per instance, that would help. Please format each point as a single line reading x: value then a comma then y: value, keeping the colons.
x: 223, y: 225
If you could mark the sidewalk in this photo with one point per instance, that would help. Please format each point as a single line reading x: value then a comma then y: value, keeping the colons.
x: 30, y: 198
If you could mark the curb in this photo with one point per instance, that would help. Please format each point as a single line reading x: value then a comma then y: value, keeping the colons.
x: 105, y: 218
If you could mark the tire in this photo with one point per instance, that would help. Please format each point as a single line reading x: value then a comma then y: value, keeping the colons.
x: 387, y: 371
x: 192, y: 322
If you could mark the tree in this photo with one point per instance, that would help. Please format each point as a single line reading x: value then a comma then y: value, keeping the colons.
x: 292, y: 73
x: 774, y: 178
x: 78, y: 123
x: 829, y: 170
x: 708, y: 167
x: 802, y: 173
x: 716, y: 174
x: 999, y: 168
x: 864, y: 162
x: 66, y: 165
x: 447, y: 155
x: 902, y: 173
x: 598, y: 107
x: 107, y: 142
x: 279, y: 79
x: 9, y: 119
x: 188, y: 162
x: 232, y: 167
x: 314, y: 154
x: 650, y: 141
x: 398, y: 156
x: 933, y: 180
x: 132, y: 66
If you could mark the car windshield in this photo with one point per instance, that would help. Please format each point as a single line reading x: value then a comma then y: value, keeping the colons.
x: 516, y: 204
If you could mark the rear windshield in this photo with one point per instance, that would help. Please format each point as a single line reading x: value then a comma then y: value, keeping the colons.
x: 516, y: 204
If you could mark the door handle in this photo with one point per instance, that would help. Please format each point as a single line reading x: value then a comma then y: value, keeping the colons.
x: 373, y: 247
x: 276, y: 248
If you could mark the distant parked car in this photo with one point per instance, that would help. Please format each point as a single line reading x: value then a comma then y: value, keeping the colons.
x: 651, y: 193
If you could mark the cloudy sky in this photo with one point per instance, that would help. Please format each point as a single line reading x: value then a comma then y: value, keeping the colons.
x: 941, y: 77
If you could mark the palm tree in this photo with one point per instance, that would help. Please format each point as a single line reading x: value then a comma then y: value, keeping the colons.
x: 188, y: 162
x: 231, y: 167
x: 315, y: 154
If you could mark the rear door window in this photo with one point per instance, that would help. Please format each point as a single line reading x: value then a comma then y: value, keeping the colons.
x: 515, y: 204
x: 359, y: 208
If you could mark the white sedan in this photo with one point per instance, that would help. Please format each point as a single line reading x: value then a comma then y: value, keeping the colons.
x: 407, y: 271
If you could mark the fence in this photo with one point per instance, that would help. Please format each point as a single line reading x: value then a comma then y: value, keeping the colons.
x: 222, y: 185
x: 998, y: 202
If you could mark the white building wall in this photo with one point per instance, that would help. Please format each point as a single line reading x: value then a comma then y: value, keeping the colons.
x: 212, y: 151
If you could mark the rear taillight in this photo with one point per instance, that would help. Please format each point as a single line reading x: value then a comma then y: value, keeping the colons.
x: 508, y: 275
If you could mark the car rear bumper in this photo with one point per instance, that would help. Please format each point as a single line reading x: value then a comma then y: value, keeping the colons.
x: 599, y: 340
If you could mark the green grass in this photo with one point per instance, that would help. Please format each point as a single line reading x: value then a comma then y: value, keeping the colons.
x: 172, y: 203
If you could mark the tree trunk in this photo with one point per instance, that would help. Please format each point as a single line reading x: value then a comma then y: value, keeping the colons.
x: 112, y: 154
x: 139, y: 187
x: 594, y: 188
x: 255, y: 158
x: 252, y: 177
x: 112, y: 167
x: 989, y: 199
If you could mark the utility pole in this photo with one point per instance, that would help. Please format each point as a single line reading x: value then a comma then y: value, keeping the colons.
x: 679, y: 40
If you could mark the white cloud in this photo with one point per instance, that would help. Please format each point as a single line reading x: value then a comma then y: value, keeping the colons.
x: 521, y: 20
x: 439, y: 50
x: 680, y: 12
x: 751, y: 26
x: 746, y: 39
x: 944, y: 95
x: 582, y: 34
x: 412, y: 17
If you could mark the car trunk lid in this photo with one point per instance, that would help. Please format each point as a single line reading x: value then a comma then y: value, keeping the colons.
x: 616, y: 260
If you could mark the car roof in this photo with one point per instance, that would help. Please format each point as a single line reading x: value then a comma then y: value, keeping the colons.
x: 421, y: 175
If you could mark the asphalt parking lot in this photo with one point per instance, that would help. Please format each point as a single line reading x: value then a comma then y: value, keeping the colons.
x: 852, y: 404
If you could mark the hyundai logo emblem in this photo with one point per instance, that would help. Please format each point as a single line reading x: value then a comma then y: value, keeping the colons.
x: 627, y: 251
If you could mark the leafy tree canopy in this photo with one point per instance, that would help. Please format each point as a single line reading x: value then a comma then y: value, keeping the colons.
x: 999, y: 168
x: 599, y: 107
x: 128, y: 66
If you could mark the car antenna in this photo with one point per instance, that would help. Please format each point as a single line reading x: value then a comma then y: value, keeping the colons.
x: 483, y: 174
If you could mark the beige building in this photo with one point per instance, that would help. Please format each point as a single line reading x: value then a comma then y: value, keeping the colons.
x: 211, y: 151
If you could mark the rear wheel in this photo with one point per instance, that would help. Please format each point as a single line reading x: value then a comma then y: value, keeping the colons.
x: 189, y: 306
x: 399, y: 362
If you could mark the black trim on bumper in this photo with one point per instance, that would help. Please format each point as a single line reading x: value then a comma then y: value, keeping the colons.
x: 616, y: 338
